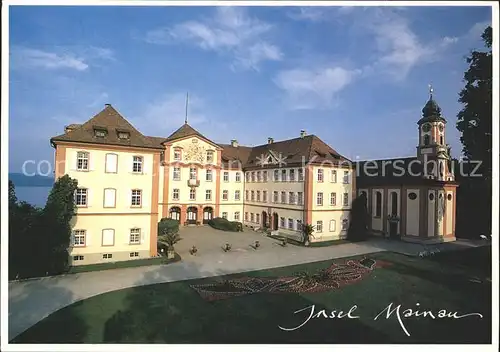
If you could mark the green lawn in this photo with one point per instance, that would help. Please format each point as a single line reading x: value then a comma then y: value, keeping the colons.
x: 176, y: 313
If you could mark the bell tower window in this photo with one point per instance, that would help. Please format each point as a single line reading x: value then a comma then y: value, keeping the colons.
x: 427, y: 139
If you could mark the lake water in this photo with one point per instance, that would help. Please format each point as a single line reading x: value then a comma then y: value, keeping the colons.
x: 34, y: 195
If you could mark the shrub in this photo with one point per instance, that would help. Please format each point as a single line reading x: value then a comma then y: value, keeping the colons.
x: 167, y: 225
x: 225, y: 225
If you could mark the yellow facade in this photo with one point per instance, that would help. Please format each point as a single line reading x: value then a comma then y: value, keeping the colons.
x: 185, y: 179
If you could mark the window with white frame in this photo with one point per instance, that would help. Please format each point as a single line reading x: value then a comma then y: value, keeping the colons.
x: 107, y: 256
x: 226, y: 176
x: 225, y: 194
x: 346, y: 176
x: 192, y: 173
x: 299, y: 225
x: 111, y: 163
x: 333, y: 198
x: 346, y: 200
x: 247, y: 176
x: 291, y: 197
x: 134, y: 254
x: 79, y: 237
x: 275, y: 196
x: 291, y: 177
x: 238, y: 177
x: 283, y: 175
x: 258, y: 196
x: 236, y: 216
x: 319, y: 198
x: 276, y: 175
x: 264, y: 196
x: 252, y: 217
x: 136, y: 198
x: 82, y: 161
x: 237, y: 195
x: 283, y: 197
x: 300, y: 198
x: 177, y: 174
x: 259, y: 176
x: 109, y: 198
x: 252, y: 196
x: 177, y: 154
x: 333, y: 225
x: 300, y: 174
x: 210, y: 156
x: 246, y: 216
x: 253, y: 176
x: 290, y: 223
x: 282, y: 222
x: 264, y: 176
x: 81, y: 197
x: 320, y: 175
x: 208, y: 194
x: 333, y: 176
x: 78, y: 257
x: 208, y: 175
x: 345, y: 224
x: 192, y: 194
x: 137, y: 162
x: 135, y: 236
x: 319, y: 226
x: 108, y: 237
x: 175, y: 194
x: 257, y: 218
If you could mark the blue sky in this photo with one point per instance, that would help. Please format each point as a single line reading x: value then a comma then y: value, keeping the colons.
x: 356, y: 77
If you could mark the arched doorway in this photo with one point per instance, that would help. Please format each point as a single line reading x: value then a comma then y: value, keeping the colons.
x: 265, y: 222
x: 208, y: 213
x: 275, y: 222
x: 192, y: 215
x: 175, y: 213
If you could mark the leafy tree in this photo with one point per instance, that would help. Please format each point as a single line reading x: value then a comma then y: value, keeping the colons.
x: 39, y: 238
x: 359, y: 219
x: 55, y: 220
x: 23, y: 238
x: 475, y: 124
x: 474, y: 120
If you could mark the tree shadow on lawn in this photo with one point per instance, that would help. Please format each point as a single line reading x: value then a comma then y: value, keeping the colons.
x: 28, y: 303
x: 175, y: 313
x: 435, y: 288
x: 79, y: 322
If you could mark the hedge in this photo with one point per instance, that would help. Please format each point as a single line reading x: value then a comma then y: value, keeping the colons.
x: 225, y: 225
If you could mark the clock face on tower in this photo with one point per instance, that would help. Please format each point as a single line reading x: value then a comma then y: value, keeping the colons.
x: 426, y: 127
x: 441, y: 128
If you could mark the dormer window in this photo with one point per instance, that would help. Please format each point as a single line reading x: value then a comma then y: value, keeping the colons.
x: 100, y: 131
x: 123, y: 135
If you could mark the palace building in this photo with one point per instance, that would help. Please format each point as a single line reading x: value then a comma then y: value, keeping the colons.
x: 414, y: 198
x: 127, y: 182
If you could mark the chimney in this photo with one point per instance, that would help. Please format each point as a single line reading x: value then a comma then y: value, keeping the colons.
x: 270, y: 140
x: 234, y: 143
x: 71, y: 127
x: 302, y: 133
